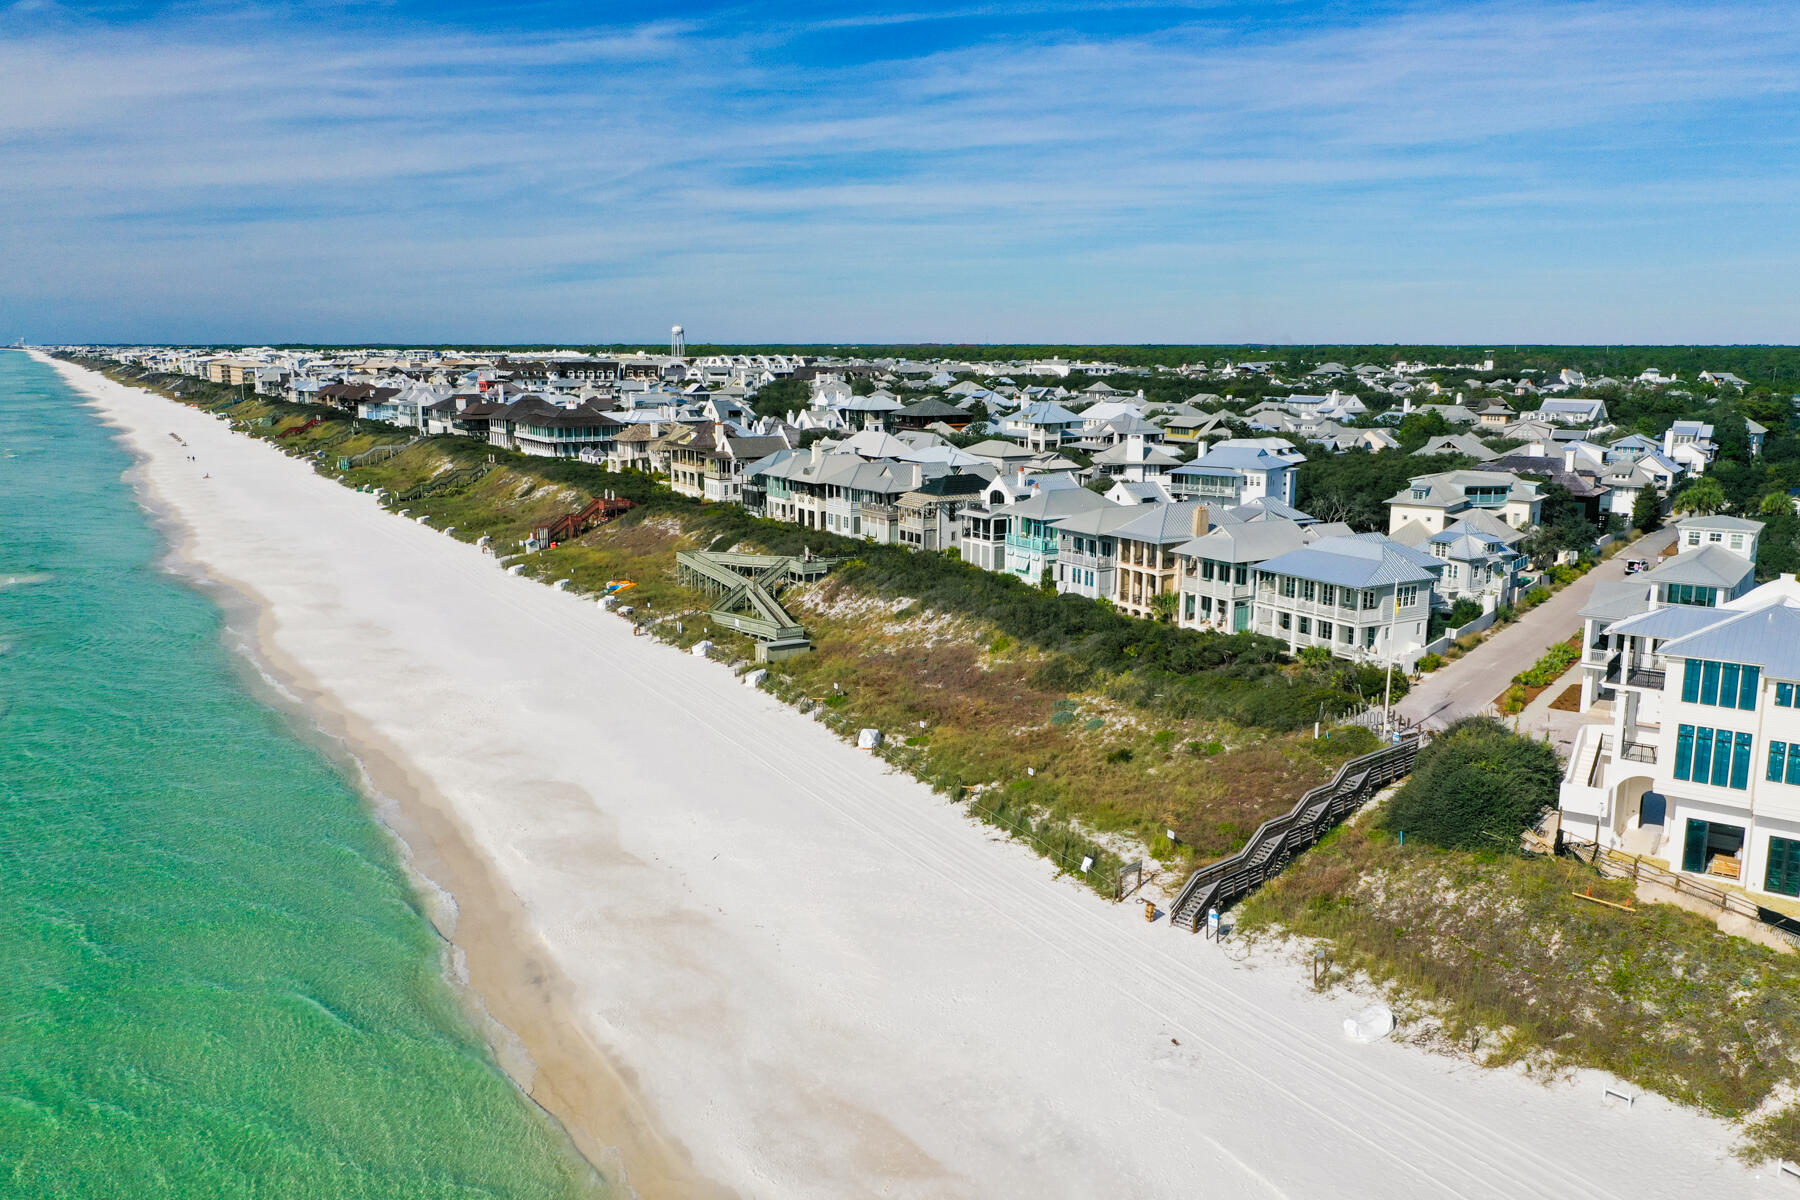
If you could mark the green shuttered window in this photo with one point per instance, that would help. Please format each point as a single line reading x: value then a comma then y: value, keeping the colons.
x: 1784, y: 763
x: 1719, y: 757
x: 1725, y: 685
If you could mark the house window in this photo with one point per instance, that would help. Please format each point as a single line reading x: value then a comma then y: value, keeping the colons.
x: 1206, y: 569
x: 1718, y: 757
x: 1723, y: 684
x: 1287, y: 586
x: 1784, y: 763
x: 1369, y: 636
x: 1190, y: 606
x: 1784, y: 695
x: 1737, y: 541
x: 1285, y: 620
x: 1715, y: 538
x: 1347, y: 634
x: 1327, y: 595
x: 1370, y: 600
x: 1408, y: 596
x: 1308, y: 590
x: 1306, y: 625
x: 1693, y: 537
x: 1689, y: 593
x: 1239, y: 575
x: 1325, y: 630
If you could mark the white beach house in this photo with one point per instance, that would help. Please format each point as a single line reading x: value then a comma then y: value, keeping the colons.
x: 1698, y: 758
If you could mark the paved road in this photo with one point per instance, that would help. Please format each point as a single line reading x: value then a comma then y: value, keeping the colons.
x: 1470, y: 684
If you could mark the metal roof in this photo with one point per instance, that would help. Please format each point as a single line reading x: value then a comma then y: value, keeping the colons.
x: 1670, y: 621
x: 1361, y: 560
x: 1616, y: 599
x: 1709, y: 566
x: 1767, y: 637
x: 1250, y: 542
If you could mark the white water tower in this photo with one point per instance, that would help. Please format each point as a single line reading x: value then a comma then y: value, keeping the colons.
x: 677, y: 342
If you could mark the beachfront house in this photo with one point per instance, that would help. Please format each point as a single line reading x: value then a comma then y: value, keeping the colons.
x: 1695, y: 758
x: 1022, y: 537
x: 929, y: 514
x: 1147, y: 567
x: 1087, y: 554
x: 711, y: 465
x: 1216, y: 581
x: 1360, y: 596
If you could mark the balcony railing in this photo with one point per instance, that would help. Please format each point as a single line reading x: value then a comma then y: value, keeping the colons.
x: 1638, y: 677
x: 1642, y: 752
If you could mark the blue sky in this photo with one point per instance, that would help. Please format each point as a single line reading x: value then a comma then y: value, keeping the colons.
x: 1043, y: 172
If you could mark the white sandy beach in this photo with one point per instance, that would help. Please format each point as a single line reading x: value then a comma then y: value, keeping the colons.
x: 808, y: 977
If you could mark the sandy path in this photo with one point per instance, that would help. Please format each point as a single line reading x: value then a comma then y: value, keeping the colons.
x: 812, y: 977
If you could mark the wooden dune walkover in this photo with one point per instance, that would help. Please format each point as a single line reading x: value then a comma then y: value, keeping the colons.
x: 747, y: 586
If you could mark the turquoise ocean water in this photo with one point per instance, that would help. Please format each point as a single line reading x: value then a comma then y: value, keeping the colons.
x: 214, y: 981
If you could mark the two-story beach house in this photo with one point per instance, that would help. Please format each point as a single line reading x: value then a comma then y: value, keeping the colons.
x: 1362, y: 596
x: 1217, y: 570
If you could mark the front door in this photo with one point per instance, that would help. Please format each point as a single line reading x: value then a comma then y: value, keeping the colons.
x: 1653, y: 809
x: 1693, y: 853
x: 1240, y: 616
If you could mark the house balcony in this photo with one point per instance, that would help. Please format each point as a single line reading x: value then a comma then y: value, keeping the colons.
x: 1648, y: 678
x: 879, y: 512
x: 1636, y: 752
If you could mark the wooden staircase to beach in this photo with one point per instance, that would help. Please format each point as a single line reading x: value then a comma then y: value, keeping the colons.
x: 1280, y: 839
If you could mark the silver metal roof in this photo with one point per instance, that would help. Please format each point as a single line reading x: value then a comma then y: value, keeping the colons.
x: 1767, y: 637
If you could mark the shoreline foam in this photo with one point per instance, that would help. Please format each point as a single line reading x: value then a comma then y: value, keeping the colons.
x: 821, y: 979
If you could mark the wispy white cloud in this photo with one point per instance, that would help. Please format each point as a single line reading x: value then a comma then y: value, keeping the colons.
x: 451, y: 183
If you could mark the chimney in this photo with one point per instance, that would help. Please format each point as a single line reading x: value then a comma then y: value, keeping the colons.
x: 1202, y: 520
x: 818, y: 453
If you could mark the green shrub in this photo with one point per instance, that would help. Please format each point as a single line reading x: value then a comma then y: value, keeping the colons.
x: 1549, y: 668
x: 1429, y: 662
x: 1478, y: 786
x: 1462, y: 612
